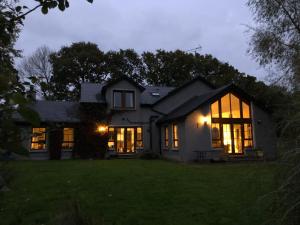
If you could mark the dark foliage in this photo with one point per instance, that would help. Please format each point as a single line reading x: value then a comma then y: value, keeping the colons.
x: 148, y: 155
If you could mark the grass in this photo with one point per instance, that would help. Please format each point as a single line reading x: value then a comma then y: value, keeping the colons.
x: 139, y: 192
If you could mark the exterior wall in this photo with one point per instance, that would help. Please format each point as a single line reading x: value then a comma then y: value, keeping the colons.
x: 26, y: 132
x: 264, y: 132
x: 177, y: 99
x: 198, y: 134
x: 179, y: 153
x: 140, y: 116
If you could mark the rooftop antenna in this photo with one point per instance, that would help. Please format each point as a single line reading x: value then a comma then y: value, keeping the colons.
x: 195, y: 49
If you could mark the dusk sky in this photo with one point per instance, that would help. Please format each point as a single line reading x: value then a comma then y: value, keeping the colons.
x: 218, y: 26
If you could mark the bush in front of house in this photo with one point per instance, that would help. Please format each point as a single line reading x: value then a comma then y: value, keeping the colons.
x: 148, y: 155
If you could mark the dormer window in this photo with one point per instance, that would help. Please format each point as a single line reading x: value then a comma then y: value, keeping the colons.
x: 123, y: 99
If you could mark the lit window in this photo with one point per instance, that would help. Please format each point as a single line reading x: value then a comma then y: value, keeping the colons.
x: 111, y: 138
x: 248, y: 142
x: 216, y: 135
x: 246, y: 110
x: 166, y: 137
x: 235, y: 106
x: 123, y: 99
x: 175, y: 136
x: 38, y: 140
x: 68, y: 141
x: 225, y: 105
x: 215, y: 110
x: 139, y: 137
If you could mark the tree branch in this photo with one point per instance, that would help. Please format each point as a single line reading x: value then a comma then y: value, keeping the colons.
x: 29, y: 11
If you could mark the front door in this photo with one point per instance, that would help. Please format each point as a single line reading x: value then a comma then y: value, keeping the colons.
x: 125, y: 140
x: 232, y: 138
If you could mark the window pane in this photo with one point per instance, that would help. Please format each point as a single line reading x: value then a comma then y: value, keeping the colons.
x: 215, y: 130
x: 246, y: 110
x: 235, y: 106
x: 38, y: 140
x: 139, y: 137
x: 216, y: 137
x: 129, y: 101
x: 120, y: 139
x: 117, y: 99
x: 111, y: 142
x: 175, y: 136
x: 247, y: 131
x: 215, y: 110
x: 130, y: 139
x: 227, y: 138
x: 225, y: 105
x: 166, y: 136
x: 68, y: 140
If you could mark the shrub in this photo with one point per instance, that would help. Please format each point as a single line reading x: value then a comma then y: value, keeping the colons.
x: 148, y: 155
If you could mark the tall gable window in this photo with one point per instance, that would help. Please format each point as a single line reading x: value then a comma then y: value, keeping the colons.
x: 231, y: 126
x: 68, y: 139
x: 38, y: 140
x: 123, y: 99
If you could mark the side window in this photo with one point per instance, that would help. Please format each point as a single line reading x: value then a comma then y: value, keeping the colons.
x: 175, y: 136
x: 38, y: 139
x: 68, y: 141
x: 123, y: 99
x: 166, y: 137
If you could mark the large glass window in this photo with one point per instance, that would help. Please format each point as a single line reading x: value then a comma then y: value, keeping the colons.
x: 38, y: 139
x: 231, y: 124
x: 125, y: 139
x: 175, y: 136
x: 123, y: 99
x: 68, y: 139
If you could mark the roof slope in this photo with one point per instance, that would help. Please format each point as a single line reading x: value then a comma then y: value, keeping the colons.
x: 55, y: 111
x: 197, y: 101
x: 91, y: 92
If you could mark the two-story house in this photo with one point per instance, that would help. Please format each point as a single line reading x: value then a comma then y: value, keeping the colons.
x: 185, y: 123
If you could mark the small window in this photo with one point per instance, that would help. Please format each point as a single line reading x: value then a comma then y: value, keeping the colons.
x: 175, y: 136
x: 68, y: 141
x: 216, y: 135
x: 123, y: 99
x: 38, y: 140
x: 111, y: 138
x: 166, y: 136
x: 248, y: 139
x: 139, y: 137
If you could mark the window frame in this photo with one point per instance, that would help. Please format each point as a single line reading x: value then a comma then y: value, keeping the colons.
x: 123, y: 99
x: 114, y: 135
x: 36, y: 142
x: 174, y: 140
x: 166, y: 139
x: 231, y: 120
x: 68, y: 142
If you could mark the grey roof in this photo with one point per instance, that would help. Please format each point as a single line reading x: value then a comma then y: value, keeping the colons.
x: 148, y: 98
x: 55, y: 111
x: 191, y: 104
x: 91, y: 92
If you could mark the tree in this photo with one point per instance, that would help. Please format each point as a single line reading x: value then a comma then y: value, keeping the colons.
x: 276, y: 38
x: 124, y: 62
x: 37, y: 69
x: 73, y: 65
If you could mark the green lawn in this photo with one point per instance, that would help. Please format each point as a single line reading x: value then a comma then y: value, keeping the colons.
x: 138, y: 192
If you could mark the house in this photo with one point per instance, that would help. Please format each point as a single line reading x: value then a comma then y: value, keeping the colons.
x: 194, y: 121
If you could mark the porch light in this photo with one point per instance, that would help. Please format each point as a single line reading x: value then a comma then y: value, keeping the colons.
x: 102, y: 129
x: 202, y: 120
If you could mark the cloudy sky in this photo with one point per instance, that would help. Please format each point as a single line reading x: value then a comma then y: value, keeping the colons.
x: 218, y: 26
